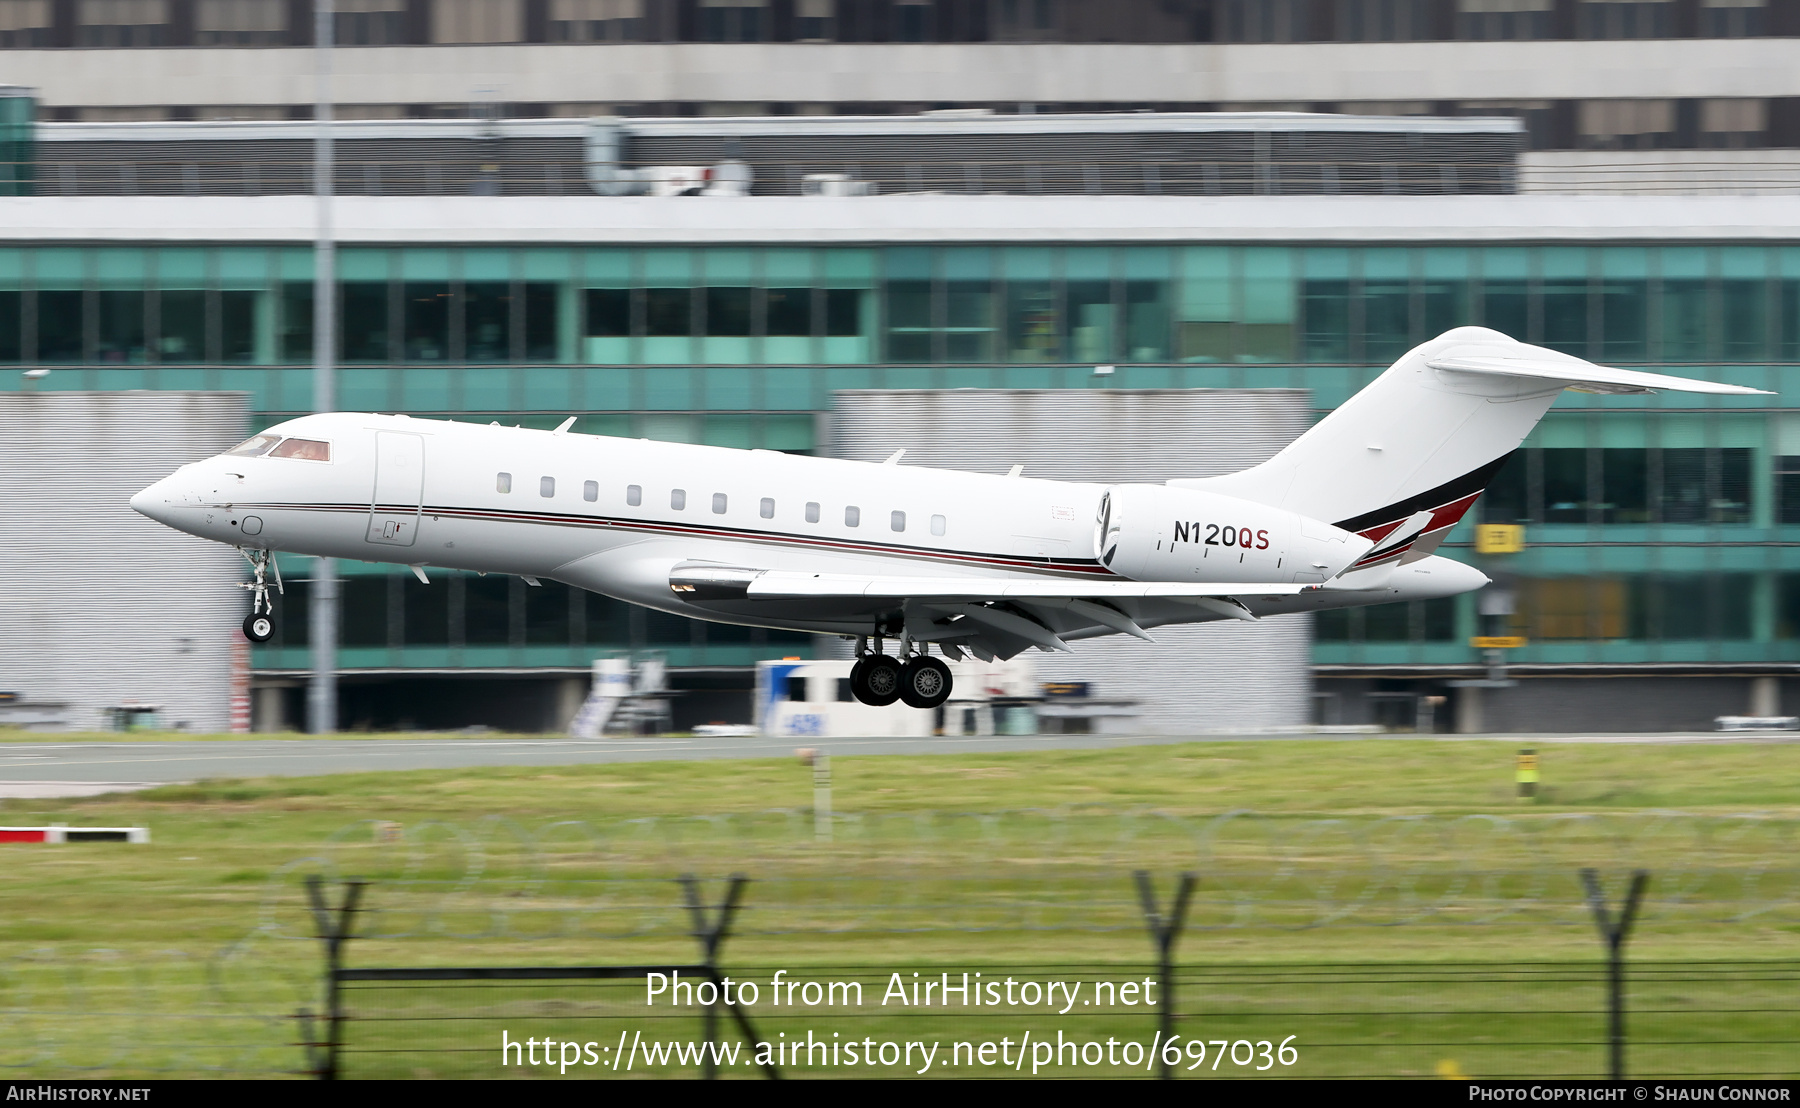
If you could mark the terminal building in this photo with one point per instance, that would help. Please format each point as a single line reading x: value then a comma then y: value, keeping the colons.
x: 1657, y: 94
x: 548, y: 267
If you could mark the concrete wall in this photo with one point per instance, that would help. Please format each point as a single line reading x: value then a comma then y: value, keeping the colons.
x: 1664, y: 172
x: 99, y: 605
x: 1560, y: 705
x: 825, y: 74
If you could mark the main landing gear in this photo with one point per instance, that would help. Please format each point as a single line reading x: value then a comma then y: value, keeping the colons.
x: 259, y: 625
x: 918, y: 680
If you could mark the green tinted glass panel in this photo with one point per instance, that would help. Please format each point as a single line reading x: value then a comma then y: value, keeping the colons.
x: 1270, y: 303
x: 425, y: 616
x: 181, y: 333
x: 667, y: 267
x: 60, y: 268
x: 1204, y: 312
x: 727, y: 267
x: 547, y: 614
x: 787, y: 268
x: 1386, y: 305
x: 1326, y: 303
x: 242, y: 267
x: 544, y: 265
x: 425, y: 309
x: 181, y: 268
x: 487, y: 321
x: 611, y: 268
x: 363, y: 323
x: 12, y: 305
x: 237, y: 325
x: 425, y: 265
x: 1624, y: 296
x: 849, y: 268
x: 486, y: 265
x: 120, y: 269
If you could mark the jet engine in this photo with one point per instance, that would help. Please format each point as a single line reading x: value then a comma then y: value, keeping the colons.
x: 1158, y: 533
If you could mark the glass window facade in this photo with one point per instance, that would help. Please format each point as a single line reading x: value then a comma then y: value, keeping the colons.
x: 951, y: 305
x: 1630, y: 503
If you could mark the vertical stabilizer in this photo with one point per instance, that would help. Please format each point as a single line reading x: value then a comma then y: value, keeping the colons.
x: 1402, y: 460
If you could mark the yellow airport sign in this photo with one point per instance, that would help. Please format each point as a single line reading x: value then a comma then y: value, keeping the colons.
x: 1499, y: 538
x: 1497, y: 642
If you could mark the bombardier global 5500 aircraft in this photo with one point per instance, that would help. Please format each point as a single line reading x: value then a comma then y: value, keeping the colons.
x: 1348, y: 514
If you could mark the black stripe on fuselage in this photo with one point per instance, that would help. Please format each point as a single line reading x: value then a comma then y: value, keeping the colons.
x: 1086, y: 567
x: 1450, y: 491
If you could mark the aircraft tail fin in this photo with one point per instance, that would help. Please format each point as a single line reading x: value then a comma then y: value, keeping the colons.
x: 1402, y: 460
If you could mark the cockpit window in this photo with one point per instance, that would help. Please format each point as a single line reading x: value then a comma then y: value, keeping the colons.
x: 255, y: 446
x: 307, y: 450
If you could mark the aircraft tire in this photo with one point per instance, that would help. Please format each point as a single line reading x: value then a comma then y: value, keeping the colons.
x: 876, y: 680
x: 259, y: 627
x: 925, y: 682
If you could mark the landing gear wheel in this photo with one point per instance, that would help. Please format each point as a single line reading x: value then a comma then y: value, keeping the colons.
x: 875, y: 680
x: 259, y: 627
x: 924, y: 682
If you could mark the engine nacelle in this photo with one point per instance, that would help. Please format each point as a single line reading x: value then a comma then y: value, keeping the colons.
x: 1158, y: 533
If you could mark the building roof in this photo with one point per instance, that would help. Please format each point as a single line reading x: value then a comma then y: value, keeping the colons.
x: 953, y: 122
x: 600, y: 221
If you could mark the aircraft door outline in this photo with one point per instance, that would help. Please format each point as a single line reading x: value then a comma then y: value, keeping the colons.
x: 399, y: 493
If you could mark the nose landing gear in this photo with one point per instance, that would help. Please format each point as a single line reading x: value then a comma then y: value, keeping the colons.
x: 259, y: 625
x: 919, y: 680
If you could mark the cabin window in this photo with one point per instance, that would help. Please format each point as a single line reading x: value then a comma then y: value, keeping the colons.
x: 718, y: 503
x: 766, y: 509
x: 852, y: 517
x: 306, y: 450
x: 503, y: 482
x: 678, y: 499
x: 546, y: 486
x: 897, y: 521
x: 812, y: 511
x: 590, y: 491
x: 254, y: 447
x: 634, y: 495
x: 937, y: 525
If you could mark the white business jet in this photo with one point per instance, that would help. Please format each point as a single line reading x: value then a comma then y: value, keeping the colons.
x: 1348, y: 514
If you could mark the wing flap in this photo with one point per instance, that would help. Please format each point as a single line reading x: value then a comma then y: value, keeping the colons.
x: 776, y: 584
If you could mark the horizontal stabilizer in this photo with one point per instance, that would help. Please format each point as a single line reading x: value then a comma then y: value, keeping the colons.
x: 1583, y: 376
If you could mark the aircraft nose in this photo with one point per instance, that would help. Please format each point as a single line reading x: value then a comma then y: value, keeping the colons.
x: 154, y: 501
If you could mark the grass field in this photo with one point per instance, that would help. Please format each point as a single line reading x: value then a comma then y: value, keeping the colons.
x: 1410, y: 853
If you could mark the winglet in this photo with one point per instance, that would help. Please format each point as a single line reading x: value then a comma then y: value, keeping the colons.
x: 894, y: 458
x: 564, y: 426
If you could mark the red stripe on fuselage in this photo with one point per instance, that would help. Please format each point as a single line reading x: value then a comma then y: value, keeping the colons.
x: 1443, y: 516
x: 1085, y: 568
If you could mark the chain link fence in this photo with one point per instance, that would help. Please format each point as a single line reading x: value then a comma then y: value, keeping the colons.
x: 1041, y: 870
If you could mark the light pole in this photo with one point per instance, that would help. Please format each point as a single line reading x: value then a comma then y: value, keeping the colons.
x: 321, y: 694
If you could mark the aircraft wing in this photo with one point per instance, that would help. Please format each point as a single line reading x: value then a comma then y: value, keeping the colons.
x: 705, y: 581
x: 987, y: 616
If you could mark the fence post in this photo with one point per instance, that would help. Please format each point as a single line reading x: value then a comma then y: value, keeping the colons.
x: 332, y: 927
x: 1615, y: 932
x: 711, y: 934
x: 1164, y: 930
